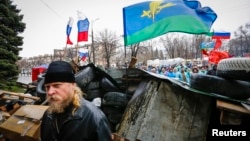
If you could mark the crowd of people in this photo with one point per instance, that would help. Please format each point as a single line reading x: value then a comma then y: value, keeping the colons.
x: 182, y: 72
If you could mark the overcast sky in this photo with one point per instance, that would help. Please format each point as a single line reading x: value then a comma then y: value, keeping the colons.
x: 46, y: 20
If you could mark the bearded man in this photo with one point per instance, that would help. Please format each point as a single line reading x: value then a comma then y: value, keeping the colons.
x: 70, y: 117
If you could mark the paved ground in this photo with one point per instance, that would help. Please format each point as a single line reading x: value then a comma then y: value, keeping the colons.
x: 24, y: 79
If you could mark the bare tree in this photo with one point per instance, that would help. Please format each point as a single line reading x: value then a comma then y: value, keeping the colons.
x: 178, y: 44
x: 108, y: 42
x: 134, y: 51
x: 241, y: 44
x: 186, y: 49
x: 141, y: 52
x: 168, y: 43
x: 185, y: 46
x: 195, y: 43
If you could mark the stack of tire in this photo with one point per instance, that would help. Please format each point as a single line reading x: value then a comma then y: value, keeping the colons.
x: 97, y: 84
x: 88, y: 82
x: 232, y: 79
x: 114, y: 105
x: 94, y: 82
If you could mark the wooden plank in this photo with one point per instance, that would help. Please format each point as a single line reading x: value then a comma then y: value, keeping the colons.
x: 20, y: 95
x: 231, y: 107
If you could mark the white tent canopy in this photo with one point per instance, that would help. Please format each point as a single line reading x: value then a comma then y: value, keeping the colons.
x: 168, y: 62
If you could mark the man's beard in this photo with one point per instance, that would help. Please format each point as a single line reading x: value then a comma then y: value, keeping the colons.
x: 55, y: 107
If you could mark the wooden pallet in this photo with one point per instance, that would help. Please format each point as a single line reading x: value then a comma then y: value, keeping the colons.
x: 11, y: 96
x: 7, y: 95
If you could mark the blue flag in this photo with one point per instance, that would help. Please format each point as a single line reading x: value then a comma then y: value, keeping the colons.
x: 146, y: 20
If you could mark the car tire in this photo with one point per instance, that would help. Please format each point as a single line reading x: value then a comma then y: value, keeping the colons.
x: 115, y: 118
x: 108, y: 86
x: 226, y: 87
x: 92, y: 94
x: 84, y: 76
x: 40, y: 89
x: 93, y: 85
x: 234, y: 68
x: 116, y: 99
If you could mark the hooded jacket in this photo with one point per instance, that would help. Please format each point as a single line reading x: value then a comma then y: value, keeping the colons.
x: 87, y: 124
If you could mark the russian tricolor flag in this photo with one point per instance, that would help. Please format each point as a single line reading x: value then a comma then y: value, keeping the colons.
x: 68, y: 30
x: 83, y: 27
x: 221, y: 35
x: 83, y: 54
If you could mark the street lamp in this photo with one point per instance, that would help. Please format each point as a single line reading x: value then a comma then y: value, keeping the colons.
x: 92, y: 36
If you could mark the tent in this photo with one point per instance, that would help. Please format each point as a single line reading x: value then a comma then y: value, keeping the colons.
x: 38, y: 70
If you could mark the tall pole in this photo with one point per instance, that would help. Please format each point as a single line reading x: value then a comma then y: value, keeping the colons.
x: 92, y: 39
x: 92, y: 45
x: 241, y: 48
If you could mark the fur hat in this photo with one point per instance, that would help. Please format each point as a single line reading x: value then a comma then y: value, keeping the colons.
x: 59, y: 71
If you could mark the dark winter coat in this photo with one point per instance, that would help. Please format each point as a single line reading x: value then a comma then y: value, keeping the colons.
x: 87, y: 124
x: 212, y: 71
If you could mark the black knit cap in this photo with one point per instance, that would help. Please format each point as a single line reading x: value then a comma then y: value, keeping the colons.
x: 59, y: 71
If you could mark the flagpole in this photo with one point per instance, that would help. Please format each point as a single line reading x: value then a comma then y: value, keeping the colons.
x: 64, y: 53
x: 77, y: 60
x: 92, y: 39
x: 89, y: 54
x: 126, y: 68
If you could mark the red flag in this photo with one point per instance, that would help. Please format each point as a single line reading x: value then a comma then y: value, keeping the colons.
x: 215, y: 56
x: 204, y: 52
x: 217, y: 43
x: 69, y: 41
